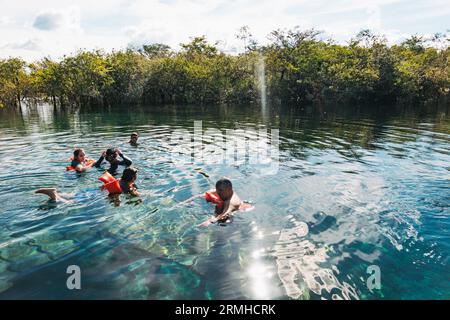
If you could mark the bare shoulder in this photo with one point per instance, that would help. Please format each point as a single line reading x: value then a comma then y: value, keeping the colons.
x: 235, y: 200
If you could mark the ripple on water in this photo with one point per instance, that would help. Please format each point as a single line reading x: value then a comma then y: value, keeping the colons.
x: 347, y: 194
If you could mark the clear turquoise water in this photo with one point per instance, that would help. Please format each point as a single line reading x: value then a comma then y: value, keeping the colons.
x: 352, y: 190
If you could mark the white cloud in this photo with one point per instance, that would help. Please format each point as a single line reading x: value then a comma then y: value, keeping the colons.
x: 62, y: 28
x: 5, y: 21
x: 176, y: 22
x: 53, y: 19
x: 218, y: 20
x: 147, y: 33
x: 32, y: 45
x: 48, y: 21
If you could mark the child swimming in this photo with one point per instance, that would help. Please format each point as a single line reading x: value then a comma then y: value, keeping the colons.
x: 123, y: 185
x: 80, y: 162
x: 126, y: 183
x: 111, y: 155
x: 133, y: 139
x: 227, y: 201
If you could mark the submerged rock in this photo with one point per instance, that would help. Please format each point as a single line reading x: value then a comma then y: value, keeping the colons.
x: 3, y: 266
x: 59, y: 249
x: 5, y: 284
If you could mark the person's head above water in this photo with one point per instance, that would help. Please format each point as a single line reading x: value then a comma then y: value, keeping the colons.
x: 224, y: 189
x: 111, y: 154
x: 79, y: 155
x: 134, y: 138
x: 129, y: 175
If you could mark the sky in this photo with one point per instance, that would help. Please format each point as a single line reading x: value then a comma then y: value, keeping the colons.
x: 53, y: 28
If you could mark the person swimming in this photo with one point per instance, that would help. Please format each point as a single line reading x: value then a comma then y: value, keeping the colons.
x: 126, y: 182
x: 80, y: 162
x: 111, y: 155
x: 227, y: 202
x: 133, y: 139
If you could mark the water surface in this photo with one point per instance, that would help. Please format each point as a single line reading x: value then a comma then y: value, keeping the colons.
x: 352, y: 190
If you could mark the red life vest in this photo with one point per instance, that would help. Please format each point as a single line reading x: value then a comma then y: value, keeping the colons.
x: 88, y: 163
x: 111, y: 184
x: 214, y: 198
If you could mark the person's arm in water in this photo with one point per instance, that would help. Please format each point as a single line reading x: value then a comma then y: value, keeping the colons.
x: 129, y: 188
x: 80, y: 168
x: 100, y: 160
x: 229, y: 206
x: 134, y: 193
x: 132, y: 190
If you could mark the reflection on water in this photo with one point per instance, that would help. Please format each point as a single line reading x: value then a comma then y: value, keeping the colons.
x: 298, y: 263
x: 352, y: 190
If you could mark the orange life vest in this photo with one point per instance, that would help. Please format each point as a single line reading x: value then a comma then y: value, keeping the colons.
x: 111, y: 184
x: 88, y: 163
x: 214, y: 198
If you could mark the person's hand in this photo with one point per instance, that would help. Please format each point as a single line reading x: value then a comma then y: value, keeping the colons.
x: 104, y: 154
x: 207, y: 222
x: 118, y: 152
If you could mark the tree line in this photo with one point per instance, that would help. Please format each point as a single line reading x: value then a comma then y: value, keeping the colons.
x: 300, y: 67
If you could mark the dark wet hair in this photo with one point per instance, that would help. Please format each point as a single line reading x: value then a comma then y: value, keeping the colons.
x: 129, y: 174
x: 76, y: 152
x: 134, y: 134
x: 111, y: 151
x: 225, y: 183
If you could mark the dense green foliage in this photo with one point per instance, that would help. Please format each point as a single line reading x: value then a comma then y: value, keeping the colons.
x: 299, y: 68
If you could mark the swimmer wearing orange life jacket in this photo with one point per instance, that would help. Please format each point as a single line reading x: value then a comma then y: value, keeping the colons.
x: 114, y: 186
x: 122, y: 185
x: 227, y: 201
x: 79, y: 161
